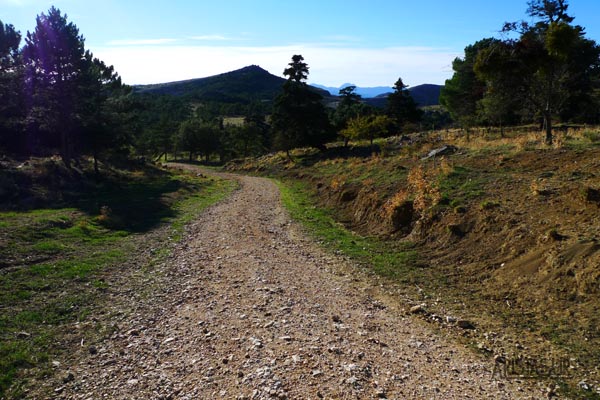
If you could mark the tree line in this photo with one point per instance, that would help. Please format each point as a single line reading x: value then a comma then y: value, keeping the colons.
x: 56, y: 97
x: 539, y: 72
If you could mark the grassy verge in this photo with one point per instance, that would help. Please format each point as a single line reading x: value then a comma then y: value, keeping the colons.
x: 54, y: 260
x: 392, y: 260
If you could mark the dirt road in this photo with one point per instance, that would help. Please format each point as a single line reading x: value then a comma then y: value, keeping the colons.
x: 254, y: 310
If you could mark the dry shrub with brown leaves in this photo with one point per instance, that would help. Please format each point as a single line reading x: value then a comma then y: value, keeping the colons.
x: 424, y: 192
x: 338, y: 182
x: 394, y: 202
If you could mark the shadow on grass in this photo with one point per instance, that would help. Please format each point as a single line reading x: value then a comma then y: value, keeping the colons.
x: 310, y: 158
x: 133, y: 200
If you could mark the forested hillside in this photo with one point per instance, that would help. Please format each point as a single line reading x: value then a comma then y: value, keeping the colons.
x: 60, y: 99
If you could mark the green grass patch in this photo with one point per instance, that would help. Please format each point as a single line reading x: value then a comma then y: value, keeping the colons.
x: 52, y: 261
x: 462, y: 185
x: 393, y: 260
x: 592, y: 136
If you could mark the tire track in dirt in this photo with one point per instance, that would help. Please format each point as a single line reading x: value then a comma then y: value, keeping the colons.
x: 254, y: 310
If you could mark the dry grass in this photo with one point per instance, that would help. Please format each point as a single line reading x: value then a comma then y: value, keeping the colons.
x: 518, y: 139
x: 338, y: 182
x: 426, y: 193
x: 421, y: 189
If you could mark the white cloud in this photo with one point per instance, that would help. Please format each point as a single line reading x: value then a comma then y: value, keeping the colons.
x: 209, y: 37
x: 328, y: 65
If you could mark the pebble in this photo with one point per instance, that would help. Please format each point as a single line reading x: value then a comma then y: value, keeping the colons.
x: 464, y: 324
x: 420, y: 308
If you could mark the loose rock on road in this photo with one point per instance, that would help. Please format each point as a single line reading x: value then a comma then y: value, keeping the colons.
x: 256, y: 311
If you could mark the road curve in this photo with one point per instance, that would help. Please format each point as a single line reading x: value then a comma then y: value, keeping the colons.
x: 254, y: 310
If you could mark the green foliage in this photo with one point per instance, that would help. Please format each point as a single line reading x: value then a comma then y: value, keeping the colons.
x: 401, y: 107
x: 11, y: 95
x: 197, y: 137
x: 350, y: 106
x: 368, y: 127
x: 54, y: 57
x: 299, y: 117
x: 549, y: 11
x: 464, y: 90
x: 592, y: 136
x: 101, y: 117
x: 70, y: 90
x: 155, y: 121
x: 252, y: 138
x: 548, y: 71
x: 435, y: 117
x: 297, y: 70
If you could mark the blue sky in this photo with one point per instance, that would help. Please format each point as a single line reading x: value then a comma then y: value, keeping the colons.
x: 368, y: 43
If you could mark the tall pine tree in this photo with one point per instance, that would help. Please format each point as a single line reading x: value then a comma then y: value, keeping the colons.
x: 299, y: 117
x: 11, y: 99
x: 54, y: 56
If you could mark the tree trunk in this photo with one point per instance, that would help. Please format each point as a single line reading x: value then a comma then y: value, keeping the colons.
x: 65, y: 153
x: 548, y: 124
x: 96, y: 170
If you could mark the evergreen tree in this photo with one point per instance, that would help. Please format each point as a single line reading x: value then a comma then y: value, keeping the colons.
x: 11, y: 96
x: 54, y: 57
x: 299, y: 117
x: 100, y: 108
x: 349, y: 108
x: 401, y: 107
x: 462, y: 93
x: 549, y: 68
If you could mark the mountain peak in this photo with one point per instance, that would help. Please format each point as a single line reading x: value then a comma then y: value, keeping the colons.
x: 244, y: 85
x: 252, y: 68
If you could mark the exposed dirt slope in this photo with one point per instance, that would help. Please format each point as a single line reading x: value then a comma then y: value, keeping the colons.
x: 254, y: 310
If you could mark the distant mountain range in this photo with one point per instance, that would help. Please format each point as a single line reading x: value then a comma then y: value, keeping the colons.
x: 365, y: 92
x: 424, y: 95
x: 253, y: 83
